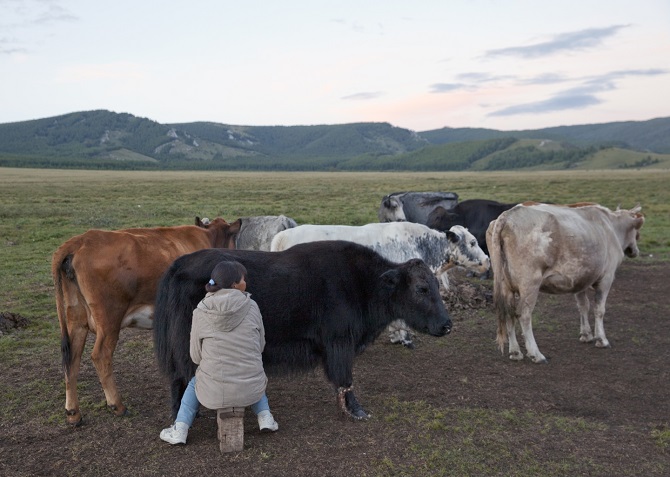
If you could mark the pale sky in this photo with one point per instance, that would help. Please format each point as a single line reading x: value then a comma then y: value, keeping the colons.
x: 417, y: 64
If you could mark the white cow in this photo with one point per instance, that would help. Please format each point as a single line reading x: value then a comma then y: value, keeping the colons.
x: 556, y: 249
x: 398, y: 242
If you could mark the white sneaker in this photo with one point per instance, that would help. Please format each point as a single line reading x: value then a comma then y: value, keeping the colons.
x: 176, y: 433
x: 266, y: 422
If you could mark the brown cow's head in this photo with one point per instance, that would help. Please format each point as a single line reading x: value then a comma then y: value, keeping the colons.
x: 222, y: 233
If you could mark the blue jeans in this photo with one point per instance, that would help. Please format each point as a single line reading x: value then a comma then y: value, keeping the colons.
x: 189, y: 405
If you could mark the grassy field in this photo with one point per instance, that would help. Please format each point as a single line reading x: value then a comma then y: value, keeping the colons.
x: 40, y: 209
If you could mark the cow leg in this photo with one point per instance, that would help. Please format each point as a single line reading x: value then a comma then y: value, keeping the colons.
x: 338, y: 366
x: 77, y: 344
x: 600, y: 298
x: 514, y: 349
x: 102, y: 355
x: 585, y: 335
x: 347, y: 402
x: 527, y: 300
x: 399, y: 333
x: 444, y: 277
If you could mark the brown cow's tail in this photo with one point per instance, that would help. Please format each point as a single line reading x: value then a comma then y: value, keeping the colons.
x: 61, y: 268
x: 503, y: 297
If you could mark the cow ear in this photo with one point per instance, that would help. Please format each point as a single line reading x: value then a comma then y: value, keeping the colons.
x: 454, y: 238
x: 235, y: 227
x: 390, y: 279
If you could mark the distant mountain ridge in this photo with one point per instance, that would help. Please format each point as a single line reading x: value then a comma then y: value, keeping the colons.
x: 652, y: 135
x: 104, y: 139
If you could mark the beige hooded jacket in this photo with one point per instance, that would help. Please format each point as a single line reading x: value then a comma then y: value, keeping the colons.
x: 227, y: 338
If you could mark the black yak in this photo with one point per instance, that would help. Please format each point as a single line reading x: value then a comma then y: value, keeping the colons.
x: 322, y: 304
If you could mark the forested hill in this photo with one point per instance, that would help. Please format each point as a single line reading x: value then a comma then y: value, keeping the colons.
x: 652, y: 135
x: 104, y: 139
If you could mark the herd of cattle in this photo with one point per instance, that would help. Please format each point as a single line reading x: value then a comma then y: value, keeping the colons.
x: 328, y: 291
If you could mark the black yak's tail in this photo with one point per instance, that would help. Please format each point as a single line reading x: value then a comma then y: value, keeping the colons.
x: 179, y: 292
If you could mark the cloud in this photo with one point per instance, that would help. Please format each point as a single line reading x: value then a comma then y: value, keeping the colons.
x: 582, y: 95
x: 545, y: 78
x: 363, y: 96
x: 54, y: 14
x: 12, y: 51
x: 615, y: 75
x: 479, y: 77
x: 579, y: 97
x: 577, y: 40
x: 22, y: 16
x: 447, y: 87
x: 468, y: 81
x: 562, y: 101
x: 358, y: 27
x: 8, y: 46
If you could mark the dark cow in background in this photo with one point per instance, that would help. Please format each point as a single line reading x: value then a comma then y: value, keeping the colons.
x: 106, y: 280
x: 414, y: 206
x: 322, y: 304
x: 557, y: 249
x: 257, y: 232
x: 473, y: 214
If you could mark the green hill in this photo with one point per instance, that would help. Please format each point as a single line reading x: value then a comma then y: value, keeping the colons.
x: 646, y: 136
x: 108, y: 140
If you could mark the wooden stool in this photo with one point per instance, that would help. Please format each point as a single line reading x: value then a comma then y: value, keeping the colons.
x: 231, y: 429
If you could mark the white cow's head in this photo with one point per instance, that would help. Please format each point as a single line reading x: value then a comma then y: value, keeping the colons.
x: 391, y: 210
x: 628, y: 224
x: 466, y: 251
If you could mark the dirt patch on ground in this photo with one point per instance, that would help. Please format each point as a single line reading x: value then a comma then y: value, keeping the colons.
x: 11, y: 321
x: 432, y: 407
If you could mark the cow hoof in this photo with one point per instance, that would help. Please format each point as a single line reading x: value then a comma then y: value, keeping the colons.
x: 586, y: 338
x: 118, y: 411
x: 516, y: 356
x: 542, y: 360
x: 73, y: 418
x: 602, y: 344
x: 359, y: 415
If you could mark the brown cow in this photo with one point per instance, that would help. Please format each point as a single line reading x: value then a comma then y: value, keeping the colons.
x: 556, y: 249
x: 107, y: 280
